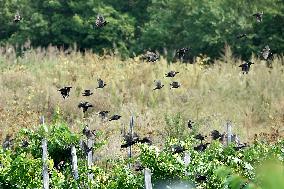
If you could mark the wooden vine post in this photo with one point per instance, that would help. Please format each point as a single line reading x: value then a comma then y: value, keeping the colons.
x: 131, y: 131
x: 90, y: 142
x: 229, y: 132
x: 147, y: 178
x: 74, y: 163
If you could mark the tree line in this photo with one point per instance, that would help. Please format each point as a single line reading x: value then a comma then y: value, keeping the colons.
x: 139, y: 25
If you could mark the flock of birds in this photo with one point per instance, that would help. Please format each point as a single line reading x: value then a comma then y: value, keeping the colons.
x: 149, y: 56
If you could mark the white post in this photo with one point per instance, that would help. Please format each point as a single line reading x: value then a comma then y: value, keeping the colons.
x: 90, y: 157
x: 131, y: 125
x: 147, y: 178
x: 74, y: 163
x: 229, y: 132
x: 44, y: 159
x: 186, y: 161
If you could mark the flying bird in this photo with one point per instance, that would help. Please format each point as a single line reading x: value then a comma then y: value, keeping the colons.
x: 216, y: 135
x: 180, y: 53
x: 87, y: 92
x: 175, y: 85
x: 114, y: 117
x: 65, y: 91
x: 158, y: 84
x: 258, y: 16
x: 103, y: 114
x: 199, y: 137
x: 242, y: 35
x: 151, y: 56
x: 85, y: 106
x: 100, y: 21
x: 17, y: 17
x: 171, y: 74
x: 246, y: 67
x: 190, y: 124
x: 89, y: 133
x: 201, y: 147
x: 266, y: 53
x: 101, y: 83
x: 177, y: 149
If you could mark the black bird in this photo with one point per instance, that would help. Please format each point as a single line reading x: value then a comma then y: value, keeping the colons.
x: 177, y: 149
x: 242, y: 35
x: 151, y: 56
x: 258, y: 16
x: 17, y: 17
x: 138, y: 167
x: 200, y: 178
x: 85, y: 147
x: 7, y: 142
x: 25, y: 143
x: 85, y: 106
x: 101, y: 84
x: 89, y: 133
x: 216, y: 135
x: 199, y: 137
x: 131, y: 140
x: 180, y: 53
x: 114, y: 117
x: 240, y: 146
x: 87, y: 92
x: 189, y: 124
x: 100, y: 21
x: 201, y: 147
x: 158, y: 84
x: 65, y: 91
x: 246, y: 67
x: 175, y: 85
x: 103, y: 114
x: 145, y: 140
x: 171, y: 74
x: 266, y: 54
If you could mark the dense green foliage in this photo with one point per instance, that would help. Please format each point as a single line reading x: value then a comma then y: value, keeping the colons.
x: 258, y: 166
x: 136, y: 25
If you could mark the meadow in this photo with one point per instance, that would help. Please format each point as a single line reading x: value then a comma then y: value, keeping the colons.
x: 210, y: 94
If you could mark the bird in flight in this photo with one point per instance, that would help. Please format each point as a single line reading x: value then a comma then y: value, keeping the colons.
x: 266, y: 53
x: 87, y: 92
x: 114, y: 117
x: 175, y: 85
x: 100, y: 21
x: 17, y: 17
x: 101, y: 84
x: 171, y: 74
x: 246, y: 67
x: 258, y: 16
x: 85, y: 106
x: 180, y: 53
x: 89, y: 133
x: 103, y: 114
x: 151, y: 56
x: 65, y: 91
x: 158, y: 84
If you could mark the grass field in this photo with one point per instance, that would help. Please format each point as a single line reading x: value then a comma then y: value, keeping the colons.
x: 209, y: 95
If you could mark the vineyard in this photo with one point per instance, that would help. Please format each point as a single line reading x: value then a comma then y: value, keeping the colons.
x: 211, y: 95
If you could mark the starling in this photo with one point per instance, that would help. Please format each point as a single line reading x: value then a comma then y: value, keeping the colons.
x: 242, y: 35
x: 87, y: 93
x: 201, y: 147
x: 100, y: 21
x: 177, y: 149
x: 17, y: 17
x: 240, y: 146
x: 85, y: 147
x: 258, y: 16
x: 189, y: 124
x: 25, y: 143
x: 158, y: 84
x: 101, y: 84
x: 145, y: 140
x: 138, y: 167
x: 65, y: 91
x: 246, y: 67
x: 266, y: 54
x: 7, y: 142
x: 199, y: 137
x: 216, y: 135
x: 114, y: 117
x: 89, y: 133
x: 151, y: 56
x: 180, y: 53
x: 85, y: 106
x: 171, y: 74
x: 103, y: 114
x: 175, y: 84
x: 200, y: 178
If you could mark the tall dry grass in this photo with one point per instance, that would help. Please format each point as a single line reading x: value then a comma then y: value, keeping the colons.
x: 209, y: 95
